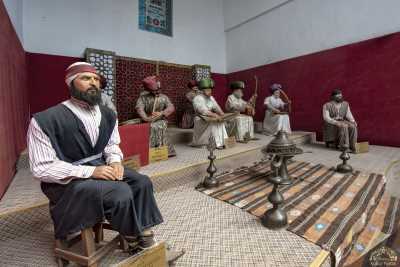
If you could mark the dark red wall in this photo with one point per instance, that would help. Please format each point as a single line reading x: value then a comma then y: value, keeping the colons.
x: 221, y: 90
x: 47, y: 86
x: 130, y: 74
x: 14, y: 112
x: 46, y: 80
x: 368, y: 73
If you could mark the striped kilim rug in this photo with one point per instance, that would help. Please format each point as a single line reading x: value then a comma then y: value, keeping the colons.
x: 347, y: 215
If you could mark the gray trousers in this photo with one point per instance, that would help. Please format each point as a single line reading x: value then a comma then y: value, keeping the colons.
x: 128, y: 205
x: 345, y: 137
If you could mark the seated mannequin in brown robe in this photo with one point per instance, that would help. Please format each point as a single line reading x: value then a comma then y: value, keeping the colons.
x: 340, y: 126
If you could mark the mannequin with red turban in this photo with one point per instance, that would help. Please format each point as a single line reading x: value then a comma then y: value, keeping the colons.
x: 155, y: 107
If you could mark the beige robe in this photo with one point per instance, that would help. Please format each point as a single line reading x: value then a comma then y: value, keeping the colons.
x: 273, y: 123
x: 202, y: 129
x: 241, y: 124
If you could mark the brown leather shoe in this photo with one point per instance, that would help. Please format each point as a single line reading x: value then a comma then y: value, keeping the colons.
x: 130, y: 238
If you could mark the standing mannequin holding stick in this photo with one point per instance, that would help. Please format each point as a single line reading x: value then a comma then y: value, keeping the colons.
x: 154, y: 107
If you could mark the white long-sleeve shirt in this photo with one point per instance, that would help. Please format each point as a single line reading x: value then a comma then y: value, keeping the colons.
x: 273, y: 102
x: 203, y: 104
x: 327, y: 117
x: 43, y: 160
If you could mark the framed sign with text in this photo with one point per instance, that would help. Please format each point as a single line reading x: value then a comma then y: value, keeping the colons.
x: 156, y: 16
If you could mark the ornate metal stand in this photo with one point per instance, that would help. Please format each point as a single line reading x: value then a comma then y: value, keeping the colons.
x: 284, y: 148
x: 281, y: 149
x: 283, y: 171
x: 209, y: 180
x: 246, y: 137
x: 275, y: 218
x: 344, y: 167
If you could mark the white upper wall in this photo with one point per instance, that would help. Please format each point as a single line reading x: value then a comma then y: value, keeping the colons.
x: 301, y: 27
x: 239, y: 11
x: 257, y: 32
x: 14, y: 10
x: 66, y: 28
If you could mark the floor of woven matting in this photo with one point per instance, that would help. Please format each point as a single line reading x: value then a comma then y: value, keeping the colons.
x: 24, y: 191
x: 212, y: 232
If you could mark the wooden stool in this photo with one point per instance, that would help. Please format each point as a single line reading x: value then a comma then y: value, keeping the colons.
x: 93, y: 245
x: 332, y: 144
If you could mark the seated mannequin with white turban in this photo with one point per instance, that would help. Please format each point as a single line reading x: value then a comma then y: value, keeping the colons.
x: 74, y: 152
x: 242, y: 125
x: 205, y: 106
x: 155, y: 107
x: 340, y: 126
x: 276, y: 118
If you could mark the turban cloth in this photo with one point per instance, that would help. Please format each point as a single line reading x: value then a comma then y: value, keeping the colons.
x: 275, y: 87
x: 206, y: 84
x: 151, y: 83
x: 79, y: 67
x: 237, y: 85
x: 192, y: 83
x: 336, y: 92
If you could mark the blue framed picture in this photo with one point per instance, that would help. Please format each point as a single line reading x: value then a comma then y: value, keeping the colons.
x: 156, y: 16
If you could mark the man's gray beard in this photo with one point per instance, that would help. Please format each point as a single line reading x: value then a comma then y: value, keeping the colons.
x: 91, y: 99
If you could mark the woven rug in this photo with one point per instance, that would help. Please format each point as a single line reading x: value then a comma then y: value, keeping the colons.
x: 347, y: 215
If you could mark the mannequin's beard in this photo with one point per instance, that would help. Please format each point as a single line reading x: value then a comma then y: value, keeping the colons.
x: 338, y: 100
x: 92, y: 96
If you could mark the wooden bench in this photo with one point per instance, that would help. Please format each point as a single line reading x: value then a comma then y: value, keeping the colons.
x: 93, y: 246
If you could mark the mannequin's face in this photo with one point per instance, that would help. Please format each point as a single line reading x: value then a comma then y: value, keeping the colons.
x: 86, y: 87
x: 338, y: 98
x: 207, y: 92
x: 238, y: 93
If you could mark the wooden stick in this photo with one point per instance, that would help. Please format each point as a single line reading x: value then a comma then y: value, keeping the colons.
x: 155, y: 103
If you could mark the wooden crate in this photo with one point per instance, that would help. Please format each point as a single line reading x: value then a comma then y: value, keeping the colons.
x: 230, y: 142
x: 132, y: 162
x: 158, y: 153
x: 362, y: 147
x: 156, y: 256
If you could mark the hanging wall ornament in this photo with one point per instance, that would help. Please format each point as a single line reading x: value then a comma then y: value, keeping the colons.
x: 201, y: 72
x: 104, y: 62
